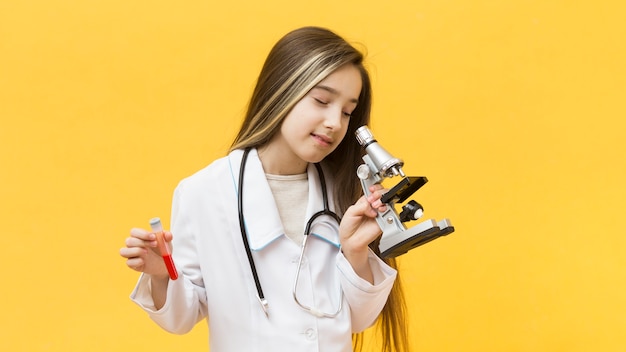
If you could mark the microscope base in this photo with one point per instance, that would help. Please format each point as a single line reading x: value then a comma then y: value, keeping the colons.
x: 401, y: 242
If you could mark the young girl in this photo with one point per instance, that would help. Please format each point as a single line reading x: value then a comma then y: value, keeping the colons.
x: 260, y: 251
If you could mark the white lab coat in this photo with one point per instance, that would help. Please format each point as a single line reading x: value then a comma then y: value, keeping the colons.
x: 215, y: 280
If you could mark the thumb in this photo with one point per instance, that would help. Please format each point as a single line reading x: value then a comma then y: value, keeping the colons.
x: 167, y: 235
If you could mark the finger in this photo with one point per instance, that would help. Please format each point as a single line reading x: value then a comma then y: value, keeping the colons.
x: 363, y: 207
x: 375, y: 202
x: 142, y: 234
x: 376, y: 193
x: 375, y: 186
x: 136, y: 242
x: 167, y: 236
x: 132, y: 252
x: 136, y: 263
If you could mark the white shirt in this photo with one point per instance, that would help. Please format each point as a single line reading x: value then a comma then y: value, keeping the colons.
x: 288, y: 192
x: 215, y: 281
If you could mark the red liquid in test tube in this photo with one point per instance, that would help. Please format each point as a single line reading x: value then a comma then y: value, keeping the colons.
x: 164, y: 249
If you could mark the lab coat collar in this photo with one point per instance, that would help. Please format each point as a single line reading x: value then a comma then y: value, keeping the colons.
x: 261, y: 217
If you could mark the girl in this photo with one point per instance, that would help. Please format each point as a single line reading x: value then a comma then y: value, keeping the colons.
x: 260, y: 252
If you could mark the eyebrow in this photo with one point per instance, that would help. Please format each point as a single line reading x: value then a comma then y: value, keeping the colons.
x: 334, y: 91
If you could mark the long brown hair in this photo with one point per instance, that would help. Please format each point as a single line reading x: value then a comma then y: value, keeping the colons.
x: 296, y: 64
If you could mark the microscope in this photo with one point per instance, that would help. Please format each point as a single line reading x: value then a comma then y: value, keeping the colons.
x: 396, y: 239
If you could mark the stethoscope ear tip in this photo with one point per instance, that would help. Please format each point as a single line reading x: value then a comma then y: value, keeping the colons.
x: 264, y: 305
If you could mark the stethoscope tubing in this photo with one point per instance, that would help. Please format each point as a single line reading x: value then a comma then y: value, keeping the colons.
x: 244, y: 235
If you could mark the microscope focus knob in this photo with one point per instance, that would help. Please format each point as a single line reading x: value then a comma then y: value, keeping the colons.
x: 411, y: 211
x: 363, y: 172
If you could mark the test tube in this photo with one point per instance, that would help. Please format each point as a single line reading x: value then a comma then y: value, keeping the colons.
x: 157, y: 228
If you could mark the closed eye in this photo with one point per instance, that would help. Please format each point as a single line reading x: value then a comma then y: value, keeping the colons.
x: 326, y: 102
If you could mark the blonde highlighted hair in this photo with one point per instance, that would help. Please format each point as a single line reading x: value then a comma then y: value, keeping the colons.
x: 295, y: 65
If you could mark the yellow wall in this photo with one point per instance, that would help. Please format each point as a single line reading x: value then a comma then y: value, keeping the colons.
x: 514, y: 110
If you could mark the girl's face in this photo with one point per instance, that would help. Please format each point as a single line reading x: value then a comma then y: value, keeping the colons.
x: 316, y: 124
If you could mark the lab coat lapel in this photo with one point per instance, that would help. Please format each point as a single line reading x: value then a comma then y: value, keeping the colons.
x: 261, y: 217
x: 324, y: 226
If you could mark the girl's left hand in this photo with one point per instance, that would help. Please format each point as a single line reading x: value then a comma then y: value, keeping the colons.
x: 358, y: 228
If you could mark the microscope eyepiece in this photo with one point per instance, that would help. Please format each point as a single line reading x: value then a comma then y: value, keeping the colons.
x: 386, y: 165
x: 364, y: 136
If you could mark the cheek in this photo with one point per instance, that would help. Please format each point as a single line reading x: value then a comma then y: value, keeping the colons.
x: 290, y: 120
x: 293, y: 126
x: 286, y: 129
x: 301, y: 118
x: 344, y: 127
x: 342, y: 135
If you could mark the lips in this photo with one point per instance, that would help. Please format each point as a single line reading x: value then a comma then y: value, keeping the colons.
x: 323, y: 139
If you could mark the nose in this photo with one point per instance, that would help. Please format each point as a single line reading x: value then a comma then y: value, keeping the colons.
x: 333, y: 119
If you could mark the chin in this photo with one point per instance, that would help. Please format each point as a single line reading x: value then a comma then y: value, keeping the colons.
x: 312, y: 157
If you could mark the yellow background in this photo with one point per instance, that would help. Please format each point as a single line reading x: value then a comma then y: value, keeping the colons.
x: 514, y: 110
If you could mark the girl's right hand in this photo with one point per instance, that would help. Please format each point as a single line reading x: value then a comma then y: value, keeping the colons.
x: 142, y: 254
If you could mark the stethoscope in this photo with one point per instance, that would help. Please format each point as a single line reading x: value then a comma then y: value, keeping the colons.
x: 244, y: 235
